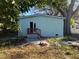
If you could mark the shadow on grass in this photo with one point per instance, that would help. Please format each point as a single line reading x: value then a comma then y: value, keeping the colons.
x: 10, y: 38
x: 72, y: 37
x: 12, y: 42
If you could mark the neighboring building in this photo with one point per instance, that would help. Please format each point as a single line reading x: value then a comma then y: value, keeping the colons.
x: 76, y: 17
x: 42, y: 25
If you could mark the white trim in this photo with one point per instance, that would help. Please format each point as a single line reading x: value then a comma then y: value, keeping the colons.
x: 30, y: 16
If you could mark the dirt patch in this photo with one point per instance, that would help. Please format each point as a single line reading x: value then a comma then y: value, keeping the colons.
x: 32, y: 51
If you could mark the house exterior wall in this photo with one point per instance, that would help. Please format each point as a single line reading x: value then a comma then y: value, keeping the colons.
x: 49, y: 26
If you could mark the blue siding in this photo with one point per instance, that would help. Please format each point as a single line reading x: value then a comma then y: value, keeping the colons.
x: 50, y: 26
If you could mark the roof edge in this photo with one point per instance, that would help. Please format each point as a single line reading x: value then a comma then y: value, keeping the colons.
x: 22, y: 17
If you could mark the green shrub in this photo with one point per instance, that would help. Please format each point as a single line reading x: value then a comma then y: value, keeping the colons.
x: 72, y: 22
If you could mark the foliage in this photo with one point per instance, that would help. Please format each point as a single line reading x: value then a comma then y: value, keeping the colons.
x: 55, y: 4
x: 10, y: 10
x: 24, y: 5
x: 8, y: 14
x: 72, y: 22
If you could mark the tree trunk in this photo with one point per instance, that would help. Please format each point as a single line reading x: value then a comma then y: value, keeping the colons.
x: 68, y: 17
x: 67, y: 27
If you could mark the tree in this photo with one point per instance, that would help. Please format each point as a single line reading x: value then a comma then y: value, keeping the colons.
x: 10, y: 10
x: 8, y: 13
x: 69, y: 14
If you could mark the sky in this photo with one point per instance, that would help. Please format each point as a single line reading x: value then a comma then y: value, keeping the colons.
x: 76, y: 3
x: 31, y: 11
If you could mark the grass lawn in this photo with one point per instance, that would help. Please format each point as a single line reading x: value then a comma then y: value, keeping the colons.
x: 32, y: 51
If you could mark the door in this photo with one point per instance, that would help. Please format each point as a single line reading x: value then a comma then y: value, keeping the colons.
x: 31, y: 27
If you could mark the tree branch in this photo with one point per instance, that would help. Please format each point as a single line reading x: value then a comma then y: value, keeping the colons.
x: 70, y: 9
x: 75, y: 10
x: 63, y: 12
x: 71, y: 5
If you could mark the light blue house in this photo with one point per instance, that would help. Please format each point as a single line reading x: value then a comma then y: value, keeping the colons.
x: 42, y: 25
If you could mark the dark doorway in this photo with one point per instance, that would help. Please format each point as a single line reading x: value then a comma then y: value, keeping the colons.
x: 34, y: 26
x: 31, y: 27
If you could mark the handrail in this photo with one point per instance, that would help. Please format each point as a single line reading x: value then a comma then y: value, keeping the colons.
x: 35, y: 31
